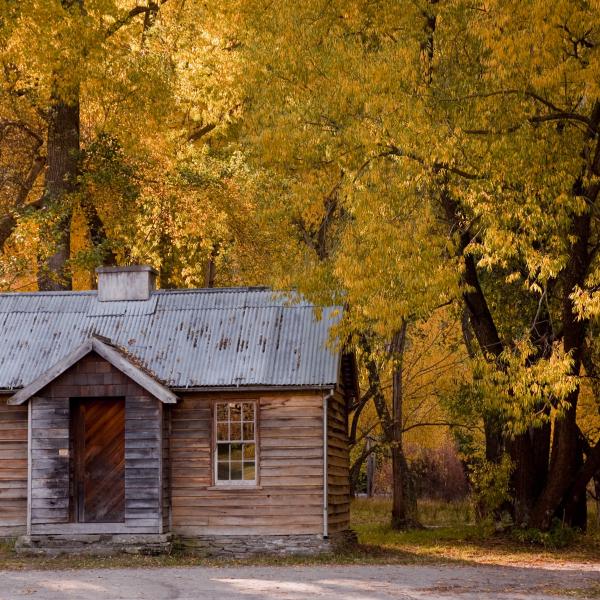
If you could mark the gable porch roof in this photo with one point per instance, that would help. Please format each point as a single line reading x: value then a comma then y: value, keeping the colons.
x: 112, y: 355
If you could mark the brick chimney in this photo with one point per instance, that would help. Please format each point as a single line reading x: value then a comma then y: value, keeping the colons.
x: 136, y: 282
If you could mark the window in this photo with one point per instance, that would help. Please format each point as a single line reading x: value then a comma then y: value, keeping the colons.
x: 235, y: 456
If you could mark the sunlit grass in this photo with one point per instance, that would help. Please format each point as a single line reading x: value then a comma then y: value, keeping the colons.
x: 451, y: 534
x: 432, y: 513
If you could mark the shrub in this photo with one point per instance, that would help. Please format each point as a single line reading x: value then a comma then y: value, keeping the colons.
x: 438, y: 474
x: 558, y: 536
x: 491, y: 486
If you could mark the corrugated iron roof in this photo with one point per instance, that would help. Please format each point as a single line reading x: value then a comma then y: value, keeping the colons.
x: 206, y: 338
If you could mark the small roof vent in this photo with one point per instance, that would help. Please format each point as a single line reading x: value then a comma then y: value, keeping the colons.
x: 136, y: 282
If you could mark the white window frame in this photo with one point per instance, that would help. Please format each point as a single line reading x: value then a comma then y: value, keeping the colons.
x: 234, y: 482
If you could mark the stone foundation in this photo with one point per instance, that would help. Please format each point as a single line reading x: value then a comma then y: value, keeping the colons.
x: 228, y: 546
x: 94, y: 544
x: 239, y: 546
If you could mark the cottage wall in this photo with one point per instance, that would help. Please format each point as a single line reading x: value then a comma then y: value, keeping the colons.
x: 289, y: 497
x: 169, y: 472
x: 13, y: 469
x: 166, y: 468
x: 95, y: 377
x: 338, y: 466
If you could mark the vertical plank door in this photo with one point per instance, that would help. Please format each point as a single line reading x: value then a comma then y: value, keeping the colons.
x: 100, y: 460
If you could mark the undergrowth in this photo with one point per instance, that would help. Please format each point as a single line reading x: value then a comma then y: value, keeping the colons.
x: 558, y: 536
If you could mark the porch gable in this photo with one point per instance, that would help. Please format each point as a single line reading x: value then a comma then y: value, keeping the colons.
x: 116, y: 358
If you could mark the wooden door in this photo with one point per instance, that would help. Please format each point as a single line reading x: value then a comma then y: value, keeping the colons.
x: 99, y: 474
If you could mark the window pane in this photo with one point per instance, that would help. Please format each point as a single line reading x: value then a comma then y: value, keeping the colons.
x: 236, y: 451
x: 236, y: 470
x: 235, y: 412
x: 248, y: 409
x: 223, y: 471
x: 222, y: 431
x: 222, y: 412
x: 249, y: 431
x: 249, y: 472
x: 235, y: 431
x: 223, y: 452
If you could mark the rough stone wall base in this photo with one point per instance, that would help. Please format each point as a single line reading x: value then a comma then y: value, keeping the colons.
x: 239, y: 546
x: 94, y: 544
x: 232, y: 546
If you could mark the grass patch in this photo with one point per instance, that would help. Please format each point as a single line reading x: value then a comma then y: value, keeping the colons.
x: 449, y: 536
x: 432, y: 513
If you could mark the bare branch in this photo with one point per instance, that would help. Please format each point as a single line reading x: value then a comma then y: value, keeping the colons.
x: 432, y: 424
x: 200, y: 132
x: 21, y: 125
x: 151, y: 9
x: 435, y: 166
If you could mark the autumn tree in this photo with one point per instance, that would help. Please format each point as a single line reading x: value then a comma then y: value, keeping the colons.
x: 462, y: 144
x: 121, y: 110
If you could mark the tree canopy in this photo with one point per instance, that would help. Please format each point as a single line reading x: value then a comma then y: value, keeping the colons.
x: 433, y: 165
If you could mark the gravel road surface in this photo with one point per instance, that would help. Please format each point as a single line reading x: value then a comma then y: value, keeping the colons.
x: 356, y: 582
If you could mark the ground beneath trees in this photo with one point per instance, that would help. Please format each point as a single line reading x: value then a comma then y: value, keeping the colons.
x: 452, y: 558
x: 340, y: 582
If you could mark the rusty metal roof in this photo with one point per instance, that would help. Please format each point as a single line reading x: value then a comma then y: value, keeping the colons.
x: 206, y: 338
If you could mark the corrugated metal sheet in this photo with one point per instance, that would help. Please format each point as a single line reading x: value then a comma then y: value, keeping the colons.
x: 187, y: 338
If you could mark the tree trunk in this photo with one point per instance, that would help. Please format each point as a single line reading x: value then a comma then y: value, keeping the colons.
x: 370, y: 470
x: 356, y: 467
x: 97, y: 231
x: 575, y: 503
x: 61, y: 181
x: 403, y: 500
x: 530, y: 450
x: 529, y: 453
x: 167, y: 260
x: 481, y: 322
x: 566, y: 450
x: 210, y: 270
x: 563, y: 497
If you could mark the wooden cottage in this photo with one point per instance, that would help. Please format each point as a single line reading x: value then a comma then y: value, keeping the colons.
x: 130, y: 416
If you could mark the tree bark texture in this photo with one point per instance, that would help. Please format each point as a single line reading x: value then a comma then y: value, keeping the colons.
x: 403, y: 498
x: 63, y: 147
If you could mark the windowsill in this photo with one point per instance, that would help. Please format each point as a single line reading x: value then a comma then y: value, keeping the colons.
x: 235, y: 488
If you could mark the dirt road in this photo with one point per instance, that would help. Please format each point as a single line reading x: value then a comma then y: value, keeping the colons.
x: 356, y: 582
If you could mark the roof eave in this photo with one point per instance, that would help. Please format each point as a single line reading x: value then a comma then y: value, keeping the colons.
x: 255, y: 388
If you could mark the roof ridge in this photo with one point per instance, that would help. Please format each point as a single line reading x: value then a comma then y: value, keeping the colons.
x: 50, y: 293
x: 257, y: 288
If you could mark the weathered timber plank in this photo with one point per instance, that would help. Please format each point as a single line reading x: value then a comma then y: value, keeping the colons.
x: 13, y: 469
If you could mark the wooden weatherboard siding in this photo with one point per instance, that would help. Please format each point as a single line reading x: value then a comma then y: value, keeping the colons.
x: 289, y: 495
x: 13, y: 469
x: 166, y: 468
x: 338, y: 466
x: 94, y: 377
